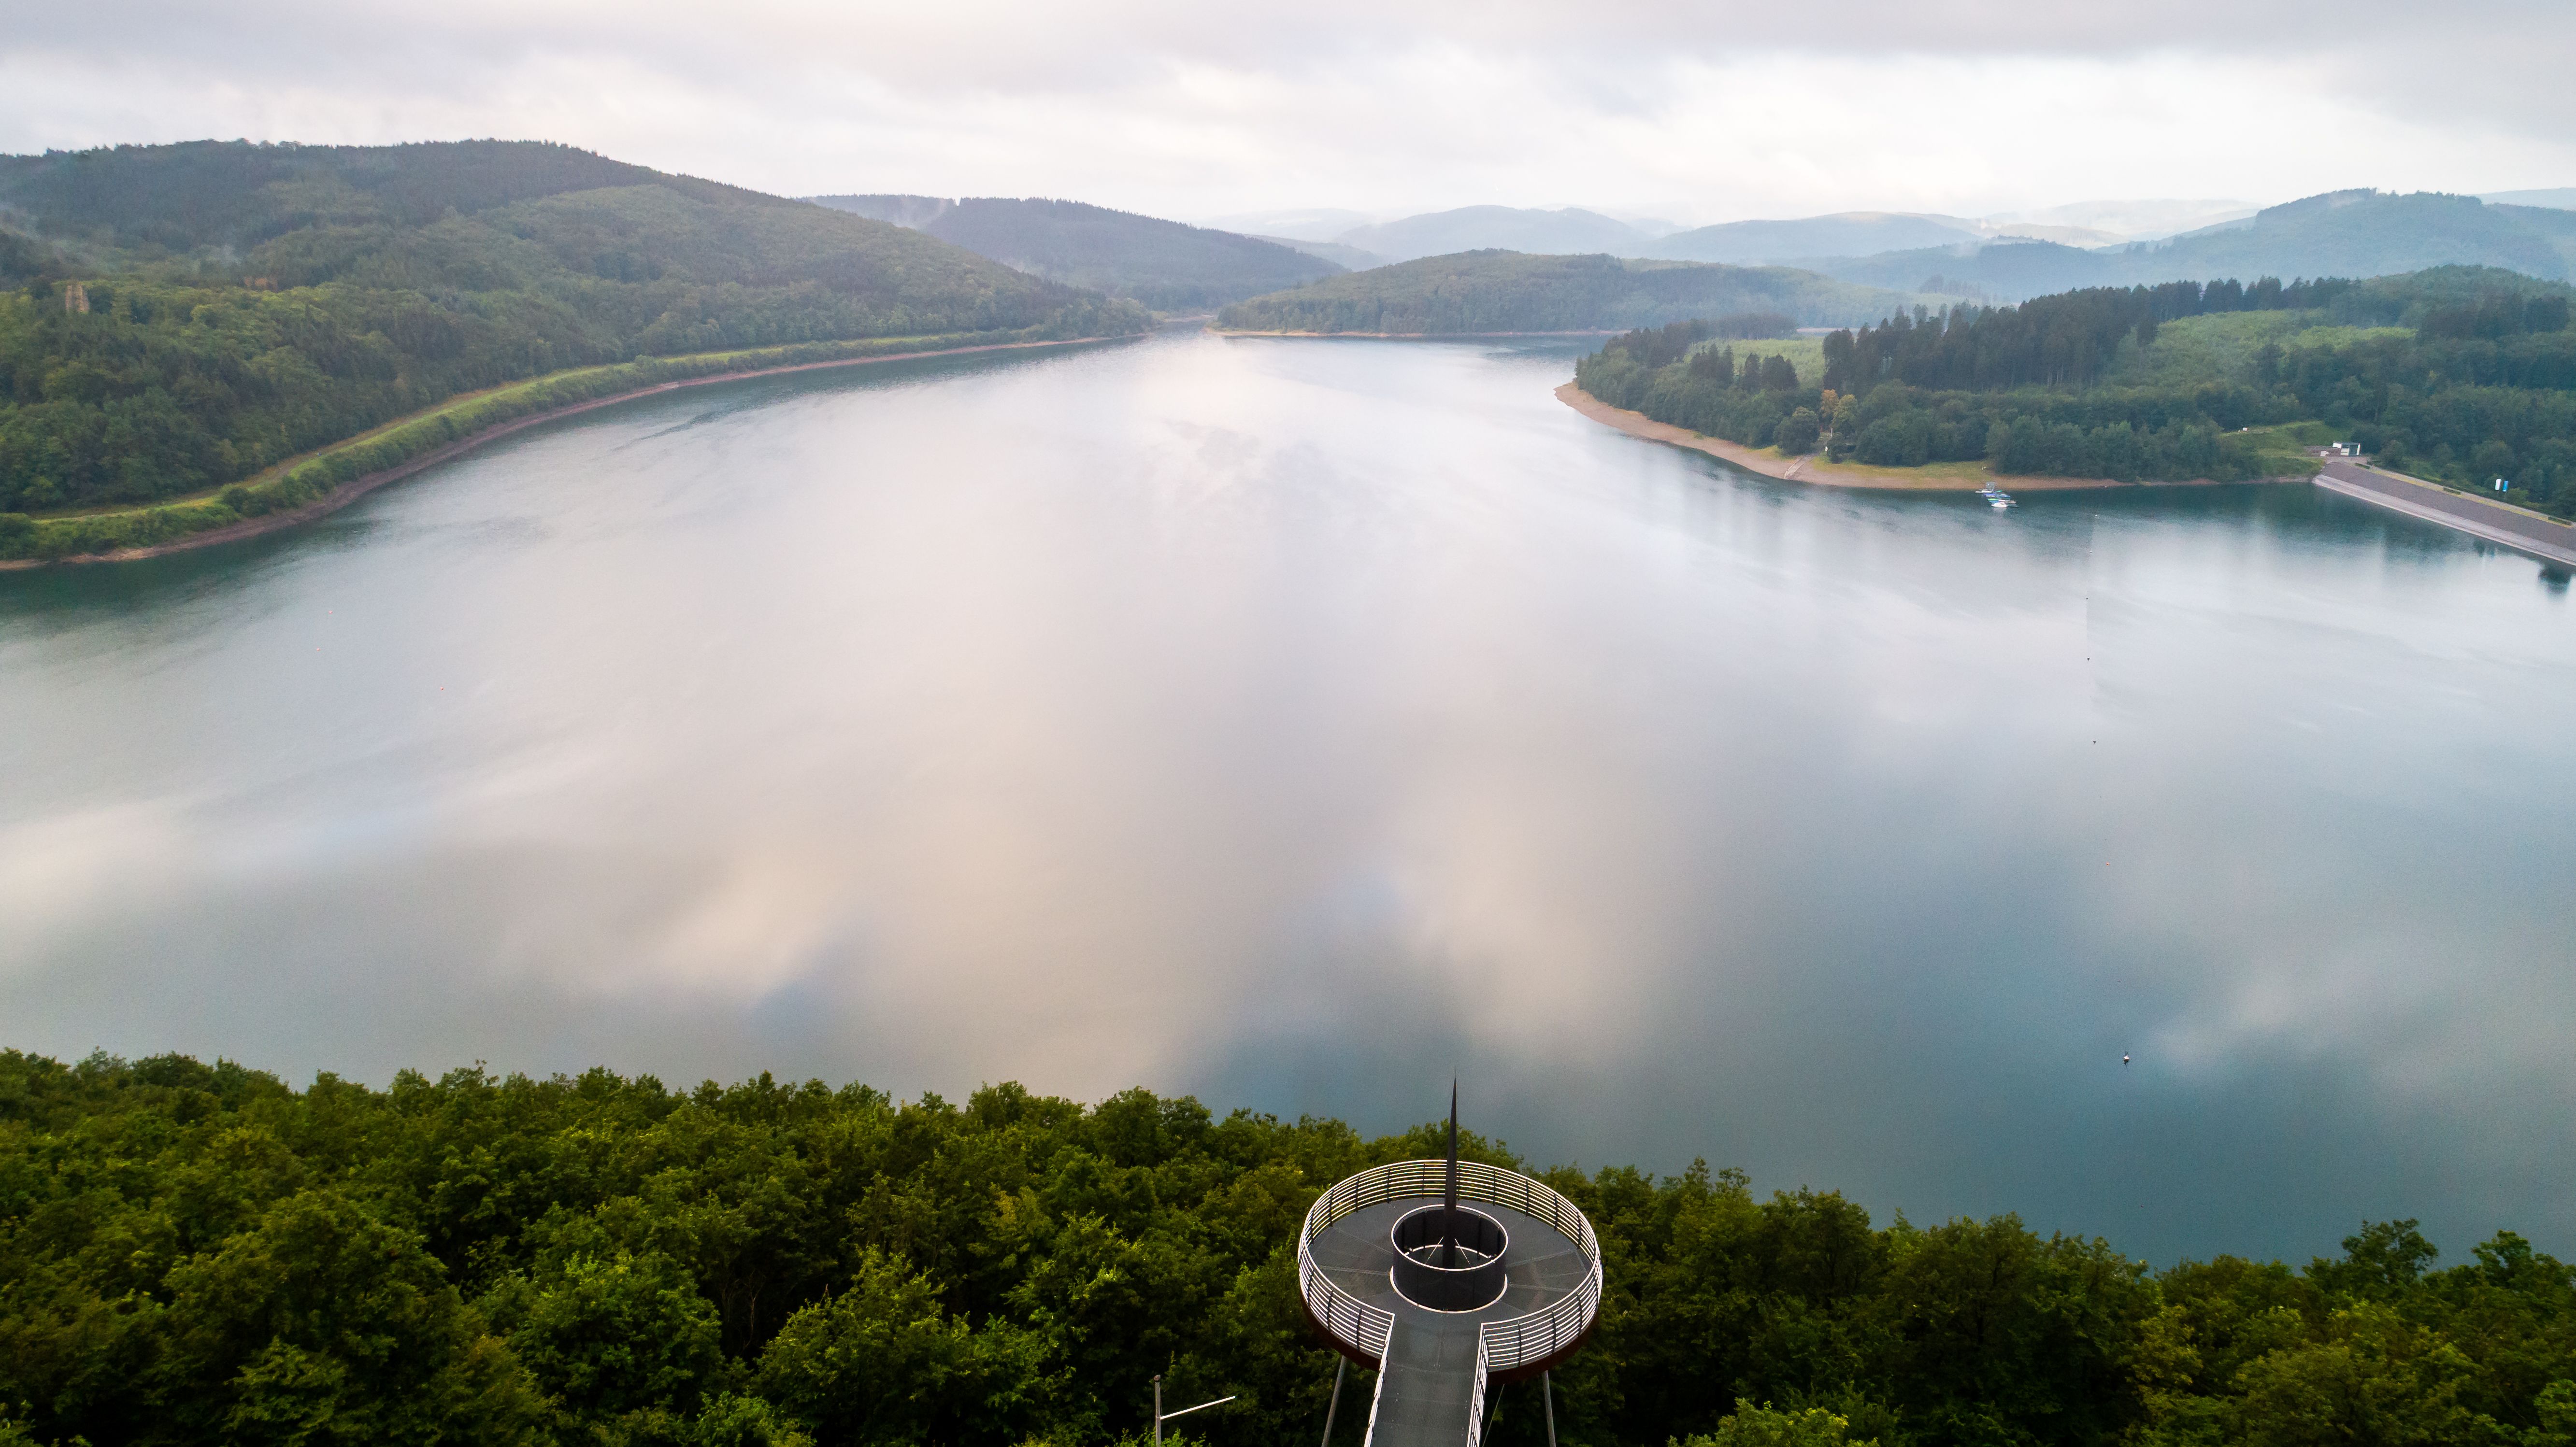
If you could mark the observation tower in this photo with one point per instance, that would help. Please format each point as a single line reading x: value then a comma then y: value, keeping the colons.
x: 1448, y: 1279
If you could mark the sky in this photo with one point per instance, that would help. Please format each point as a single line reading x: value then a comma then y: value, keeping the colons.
x: 1693, y: 112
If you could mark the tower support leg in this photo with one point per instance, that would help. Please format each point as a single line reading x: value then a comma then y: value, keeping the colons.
x: 1341, y: 1364
x: 1547, y: 1393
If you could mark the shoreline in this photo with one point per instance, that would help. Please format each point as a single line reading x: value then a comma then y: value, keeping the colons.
x: 1409, y: 336
x: 358, y: 487
x: 1812, y: 469
x: 2534, y: 535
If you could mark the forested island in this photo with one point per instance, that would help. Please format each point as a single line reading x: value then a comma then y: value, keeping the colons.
x: 183, y: 320
x: 1502, y: 292
x: 2460, y: 374
x: 201, y: 1254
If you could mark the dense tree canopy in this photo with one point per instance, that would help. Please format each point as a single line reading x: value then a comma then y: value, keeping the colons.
x: 2066, y: 340
x: 2463, y: 374
x: 194, y: 1253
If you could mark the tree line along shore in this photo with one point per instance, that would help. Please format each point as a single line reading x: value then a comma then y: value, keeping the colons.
x: 202, y: 340
x: 305, y: 487
x: 196, y: 1253
x: 2464, y: 375
x: 192, y: 336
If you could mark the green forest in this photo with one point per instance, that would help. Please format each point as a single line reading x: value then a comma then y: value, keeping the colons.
x: 2462, y: 374
x: 202, y: 1254
x: 180, y: 318
x: 1505, y: 291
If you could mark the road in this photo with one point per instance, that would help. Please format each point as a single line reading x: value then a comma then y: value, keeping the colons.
x: 2528, y: 532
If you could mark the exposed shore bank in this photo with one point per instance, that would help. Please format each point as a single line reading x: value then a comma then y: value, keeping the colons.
x: 1413, y: 336
x: 201, y: 520
x: 1949, y: 477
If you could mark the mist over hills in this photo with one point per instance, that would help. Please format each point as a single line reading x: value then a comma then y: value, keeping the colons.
x: 2020, y: 254
x: 1167, y: 265
x: 1853, y: 233
x: 1567, y: 232
x: 1997, y: 258
x: 1349, y: 258
x: 2562, y: 198
x: 1496, y: 292
x: 2344, y: 233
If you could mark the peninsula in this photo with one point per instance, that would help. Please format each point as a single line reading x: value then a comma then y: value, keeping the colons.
x: 2463, y: 375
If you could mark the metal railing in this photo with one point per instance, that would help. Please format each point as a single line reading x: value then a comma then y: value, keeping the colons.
x: 1476, y: 1404
x: 1500, y: 1345
x: 1351, y: 1320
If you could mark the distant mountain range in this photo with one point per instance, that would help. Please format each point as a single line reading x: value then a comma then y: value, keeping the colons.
x: 1499, y: 292
x: 2342, y: 233
x: 1570, y: 232
x: 1575, y: 231
x: 2559, y: 198
x: 1164, y: 264
x: 1996, y: 258
x: 1348, y: 257
x: 1853, y: 233
x: 2013, y: 255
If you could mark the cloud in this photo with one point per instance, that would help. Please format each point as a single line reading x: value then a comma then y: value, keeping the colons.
x: 1194, y: 110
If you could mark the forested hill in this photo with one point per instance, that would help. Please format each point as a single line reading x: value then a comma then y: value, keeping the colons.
x: 1164, y: 264
x: 194, y: 1254
x: 183, y: 316
x: 1506, y: 291
x: 174, y: 200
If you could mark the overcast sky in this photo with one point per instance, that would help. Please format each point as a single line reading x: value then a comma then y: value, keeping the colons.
x: 1694, y: 111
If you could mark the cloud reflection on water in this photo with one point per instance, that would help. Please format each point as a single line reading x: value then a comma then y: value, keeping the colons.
x: 1298, y: 723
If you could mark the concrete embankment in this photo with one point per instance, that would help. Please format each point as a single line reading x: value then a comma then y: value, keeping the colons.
x: 2521, y: 529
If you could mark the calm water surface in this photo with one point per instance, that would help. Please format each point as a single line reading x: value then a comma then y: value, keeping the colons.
x: 1292, y: 723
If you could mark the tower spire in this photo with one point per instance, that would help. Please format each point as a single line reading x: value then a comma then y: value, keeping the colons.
x: 1449, y: 1197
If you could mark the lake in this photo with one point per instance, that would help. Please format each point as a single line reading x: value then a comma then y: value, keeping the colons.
x: 1298, y: 723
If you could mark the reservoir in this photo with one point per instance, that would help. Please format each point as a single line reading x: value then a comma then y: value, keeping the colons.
x: 1296, y: 724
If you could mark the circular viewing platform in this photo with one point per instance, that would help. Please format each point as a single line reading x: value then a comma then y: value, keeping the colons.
x: 1518, y: 1295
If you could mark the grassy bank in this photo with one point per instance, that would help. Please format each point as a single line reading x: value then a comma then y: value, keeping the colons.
x: 299, y: 485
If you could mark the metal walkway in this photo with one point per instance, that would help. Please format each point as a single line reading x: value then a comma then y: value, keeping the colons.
x: 1427, y: 1380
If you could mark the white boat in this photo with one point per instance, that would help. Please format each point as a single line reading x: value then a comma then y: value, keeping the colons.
x: 1995, y: 497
